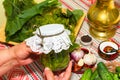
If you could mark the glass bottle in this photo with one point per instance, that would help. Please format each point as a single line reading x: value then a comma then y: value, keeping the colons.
x: 102, y: 18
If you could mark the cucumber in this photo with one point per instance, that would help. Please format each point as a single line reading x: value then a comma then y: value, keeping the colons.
x: 95, y: 75
x: 115, y: 77
x: 117, y: 69
x: 112, y: 74
x: 87, y: 74
x: 103, y: 71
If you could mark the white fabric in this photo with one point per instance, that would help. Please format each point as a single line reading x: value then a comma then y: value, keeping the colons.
x: 56, y: 40
x: 51, y: 29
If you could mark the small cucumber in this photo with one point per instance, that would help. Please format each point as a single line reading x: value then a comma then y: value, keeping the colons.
x: 87, y: 74
x: 95, y: 75
x: 103, y: 71
x: 115, y: 77
x: 112, y: 74
x: 117, y: 69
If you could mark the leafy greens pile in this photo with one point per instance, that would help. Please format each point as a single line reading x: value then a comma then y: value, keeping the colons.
x: 24, y: 16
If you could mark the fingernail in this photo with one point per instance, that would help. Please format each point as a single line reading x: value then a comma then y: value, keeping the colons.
x: 47, y: 68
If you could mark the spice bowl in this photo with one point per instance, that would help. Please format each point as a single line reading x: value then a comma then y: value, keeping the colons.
x: 86, y: 40
x: 108, y: 50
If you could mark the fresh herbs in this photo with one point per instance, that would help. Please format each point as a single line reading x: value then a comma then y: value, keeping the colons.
x: 24, y: 16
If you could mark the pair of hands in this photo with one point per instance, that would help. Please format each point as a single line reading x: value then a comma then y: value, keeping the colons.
x: 21, y: 54
x: 26, y: 57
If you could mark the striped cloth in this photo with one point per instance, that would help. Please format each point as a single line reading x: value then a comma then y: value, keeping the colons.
x: 34, y: 71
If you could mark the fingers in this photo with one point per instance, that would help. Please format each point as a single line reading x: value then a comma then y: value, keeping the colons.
x: 67, y: 73
x: 48, y: 74
x: 29, y: 49
x: 56, y: 77
x: 25, y: 62
x: 69, y: 68
x: 7, y: 66
x: 63, y: 76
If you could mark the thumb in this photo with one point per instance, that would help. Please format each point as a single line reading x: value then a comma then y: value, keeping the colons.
x: 48, y: 74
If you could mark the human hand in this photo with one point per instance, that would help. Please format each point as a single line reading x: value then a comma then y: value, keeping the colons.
x: 23, y: 54
x: 65, y: 75
x: 15, y: 56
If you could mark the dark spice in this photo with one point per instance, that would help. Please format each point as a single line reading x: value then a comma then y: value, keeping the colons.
x: 86, y: 38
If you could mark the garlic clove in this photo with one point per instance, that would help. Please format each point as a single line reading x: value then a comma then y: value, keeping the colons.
x: 80, y: 62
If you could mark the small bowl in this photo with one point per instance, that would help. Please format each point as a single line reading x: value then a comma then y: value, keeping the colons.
x: 106, y: 46
x: 86, y: 40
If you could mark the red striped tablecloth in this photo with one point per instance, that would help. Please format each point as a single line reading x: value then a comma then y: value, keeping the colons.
x: 84, y: 5
x: 34, y: 71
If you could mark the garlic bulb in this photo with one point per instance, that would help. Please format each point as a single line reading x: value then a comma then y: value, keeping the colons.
x: 77, y: 55
x: 89, y: 59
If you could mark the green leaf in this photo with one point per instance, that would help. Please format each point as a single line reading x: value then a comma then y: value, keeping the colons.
x: 78, y: 14
x: 31, y: 16
x: 17, y: 23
